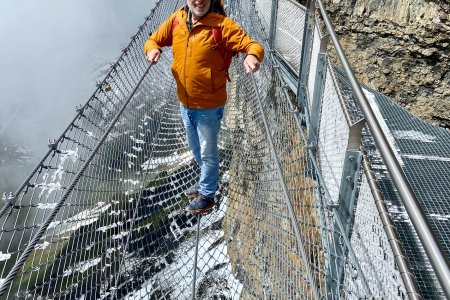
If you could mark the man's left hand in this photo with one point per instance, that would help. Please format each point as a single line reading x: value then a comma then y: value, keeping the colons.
x: 251, y: 63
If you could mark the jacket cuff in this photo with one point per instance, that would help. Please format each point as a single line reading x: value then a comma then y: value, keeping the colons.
x: 252, y: 54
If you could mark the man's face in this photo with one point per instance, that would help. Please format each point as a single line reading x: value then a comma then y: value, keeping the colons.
x: 198, y: 8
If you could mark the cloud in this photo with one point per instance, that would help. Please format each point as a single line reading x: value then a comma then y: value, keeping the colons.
x: 52, y: 54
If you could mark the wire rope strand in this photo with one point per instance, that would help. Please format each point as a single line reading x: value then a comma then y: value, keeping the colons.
x: 194, y: 277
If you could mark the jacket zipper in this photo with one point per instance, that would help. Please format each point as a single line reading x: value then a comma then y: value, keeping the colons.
x: 185, y: 62
x: 185, y: 59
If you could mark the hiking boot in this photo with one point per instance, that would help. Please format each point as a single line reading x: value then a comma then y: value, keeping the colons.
x: 192, y: 191
x: 200, y: 204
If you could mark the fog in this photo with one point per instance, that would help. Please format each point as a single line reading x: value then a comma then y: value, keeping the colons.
x: 51, y: 55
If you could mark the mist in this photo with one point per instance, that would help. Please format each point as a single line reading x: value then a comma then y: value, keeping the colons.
x: 51, y: 55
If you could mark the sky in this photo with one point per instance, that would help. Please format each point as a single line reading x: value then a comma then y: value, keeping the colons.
x: 52, y: 52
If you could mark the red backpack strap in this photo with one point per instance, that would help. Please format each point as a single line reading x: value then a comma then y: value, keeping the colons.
x: 217, y: 33
x: 175, y: 23
x: 227, y: 55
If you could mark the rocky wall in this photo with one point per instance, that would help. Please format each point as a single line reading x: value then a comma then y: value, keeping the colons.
x: 401, y: 48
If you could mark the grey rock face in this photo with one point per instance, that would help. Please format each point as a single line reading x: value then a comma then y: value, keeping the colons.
x: 401, y: 48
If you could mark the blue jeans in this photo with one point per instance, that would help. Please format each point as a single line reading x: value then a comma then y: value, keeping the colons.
x: 202, y: 130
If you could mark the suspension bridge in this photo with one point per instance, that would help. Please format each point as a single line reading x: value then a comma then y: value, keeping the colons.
x: 329, y: 190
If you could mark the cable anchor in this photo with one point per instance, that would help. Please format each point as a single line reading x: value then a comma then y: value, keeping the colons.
x: 52, y: 144
x: 11, y: 198
x: 79, y: 108
x: 104, y: 86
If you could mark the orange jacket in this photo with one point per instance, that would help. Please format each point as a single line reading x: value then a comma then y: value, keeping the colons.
x: 198, y: 69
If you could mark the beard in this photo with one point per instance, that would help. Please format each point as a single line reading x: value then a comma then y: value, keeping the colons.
x: 199, y: 11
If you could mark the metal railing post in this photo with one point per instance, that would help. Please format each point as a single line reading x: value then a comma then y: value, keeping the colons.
x: 308, y: 28
x: 319, y: 86
x: 273, y: 23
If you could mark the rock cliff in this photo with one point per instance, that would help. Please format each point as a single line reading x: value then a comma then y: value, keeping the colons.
x: 401, y: 48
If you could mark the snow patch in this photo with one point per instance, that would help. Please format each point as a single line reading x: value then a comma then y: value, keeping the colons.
x: 387, y: 132
x: 133, y: 182
x: 175, y: 159
x: 120, y: 235
x: 55, y: 180
x: 42, y: 246
x: 181, y: 270
x: 137, y: 141
x: 440, y: 217
x: 4, y: 257
x: 130, y: 155
x: 426, y: 157
x: 83, y: 266
x: 213, y: 263
x: 49, y: 187
x: 414, y: 135
x: 81, y: 219
x: 46, y: 205
x: 106, y: 228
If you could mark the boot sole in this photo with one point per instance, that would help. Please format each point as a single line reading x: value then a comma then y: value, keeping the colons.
x: 197, y: 211
x: 191, y: 196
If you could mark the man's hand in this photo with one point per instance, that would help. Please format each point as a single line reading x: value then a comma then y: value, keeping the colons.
x: 153, y: 56
x: 251, y: 63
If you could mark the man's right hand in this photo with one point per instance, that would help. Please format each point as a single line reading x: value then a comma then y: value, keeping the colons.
x: 153, y: 56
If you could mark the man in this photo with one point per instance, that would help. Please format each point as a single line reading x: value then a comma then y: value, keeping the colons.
x: 201, y: 73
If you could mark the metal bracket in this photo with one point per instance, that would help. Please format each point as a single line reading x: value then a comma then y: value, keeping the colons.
x: 319, y: 86
x: 347, y: 198
x: 11, y: 198
x: 349, y: 181
x: 79, y: 108
x: 104, y: 86
x: 52, y: 144
x: 350, y: 172
x: 308, y: 28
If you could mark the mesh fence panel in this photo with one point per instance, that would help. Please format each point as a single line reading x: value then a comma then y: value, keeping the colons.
x: 333, y: 138
x: 264, y: 10
x: 289, y: 32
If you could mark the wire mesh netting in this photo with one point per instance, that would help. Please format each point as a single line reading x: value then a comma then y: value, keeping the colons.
x: 102, y: 216
x: 289, y: 32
